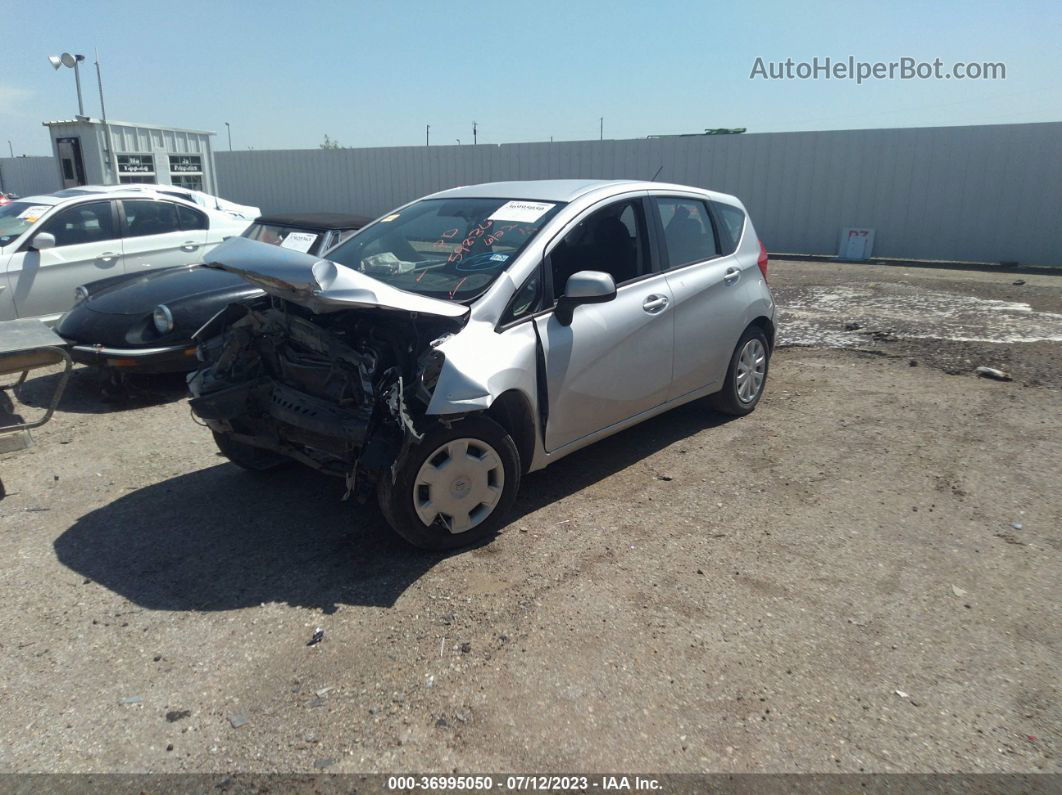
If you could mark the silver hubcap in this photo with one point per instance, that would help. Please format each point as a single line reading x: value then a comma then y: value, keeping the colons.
x: 459, y: 484
x: 751, y: 370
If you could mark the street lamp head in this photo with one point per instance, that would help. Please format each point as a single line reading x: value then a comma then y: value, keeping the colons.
x: 66, y: 59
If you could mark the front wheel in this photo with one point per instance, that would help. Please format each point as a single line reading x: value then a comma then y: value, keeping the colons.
x: 455, y: 487
x: 746, y: 376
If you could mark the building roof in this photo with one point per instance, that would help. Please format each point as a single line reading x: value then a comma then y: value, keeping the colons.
x: 117, y: 123
x: 322, y: 221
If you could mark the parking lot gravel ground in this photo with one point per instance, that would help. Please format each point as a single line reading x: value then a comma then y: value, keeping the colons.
x: 863, y: 575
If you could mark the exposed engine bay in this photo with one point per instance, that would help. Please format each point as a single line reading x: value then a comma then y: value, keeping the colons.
x: 343, y: 392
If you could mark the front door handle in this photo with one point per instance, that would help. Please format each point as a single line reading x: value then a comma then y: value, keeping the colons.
x: 107, y: 256
x: 731, y: 275
x: 655, y: 304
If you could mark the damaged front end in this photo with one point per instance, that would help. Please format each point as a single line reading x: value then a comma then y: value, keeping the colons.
x: 342, y: 390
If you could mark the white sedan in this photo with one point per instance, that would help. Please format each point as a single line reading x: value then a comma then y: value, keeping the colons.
x: 51, y: 244
x: 206, y: 200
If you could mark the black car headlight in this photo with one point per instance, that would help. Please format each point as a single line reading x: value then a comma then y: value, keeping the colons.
x: 163, y: 319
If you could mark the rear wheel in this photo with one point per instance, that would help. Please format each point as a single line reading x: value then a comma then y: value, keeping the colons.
x: 746, y: 376
x: 247, y: 456
x: 455, y: 487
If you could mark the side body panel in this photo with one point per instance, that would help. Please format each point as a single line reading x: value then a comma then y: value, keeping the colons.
x: 611, y: 363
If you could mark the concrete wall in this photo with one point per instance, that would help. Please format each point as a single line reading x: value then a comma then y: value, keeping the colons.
x: 986, y: 193
x: 28, y: 175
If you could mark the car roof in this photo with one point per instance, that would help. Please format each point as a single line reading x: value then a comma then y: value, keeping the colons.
x: 558, y: 190
x: 555, y: 190
x: 45, y: 198
x: 91, y: 192
x: 321, y: 221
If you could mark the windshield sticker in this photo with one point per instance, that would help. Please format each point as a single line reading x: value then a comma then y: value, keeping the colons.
x: 499, y: 257
x: 31, y: 214
x: 388, y: 218
x: 299, y: 241
x: 521, y: 212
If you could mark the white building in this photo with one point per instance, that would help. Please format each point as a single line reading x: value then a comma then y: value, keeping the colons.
x: 92, y: 152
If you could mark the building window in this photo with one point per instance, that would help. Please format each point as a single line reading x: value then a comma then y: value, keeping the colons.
x: 136, y: 168
x: 186, y: 171
x: 190, y: 181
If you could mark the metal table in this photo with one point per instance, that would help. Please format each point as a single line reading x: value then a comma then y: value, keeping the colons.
x: 27, y: 345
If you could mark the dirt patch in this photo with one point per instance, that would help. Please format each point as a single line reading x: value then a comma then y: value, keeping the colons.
x: 692, y: 594
x: 952, y: 320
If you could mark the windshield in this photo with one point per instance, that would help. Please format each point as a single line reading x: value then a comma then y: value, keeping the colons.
x: 291, y: 237
x: 445, y: 248
x: 17, y: 217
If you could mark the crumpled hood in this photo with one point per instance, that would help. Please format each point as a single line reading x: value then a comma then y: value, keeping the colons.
x: 318, y: 284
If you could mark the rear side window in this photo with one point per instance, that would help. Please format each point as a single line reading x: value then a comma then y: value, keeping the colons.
x: 731, y: 225
x: 688, y: 232
x: 146, y: 217
x: 191, y: 219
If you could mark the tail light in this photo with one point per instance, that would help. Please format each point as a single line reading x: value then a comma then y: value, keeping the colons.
x: 762, y: 261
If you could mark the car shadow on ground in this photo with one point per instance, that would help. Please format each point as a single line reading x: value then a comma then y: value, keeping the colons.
x: 221, y: 538
x: 90, y: 391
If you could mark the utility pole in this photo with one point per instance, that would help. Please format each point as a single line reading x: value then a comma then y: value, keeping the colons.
x: 473, y: 133
x: 601, y: 135
x: 228, y: 129
x: 10, y: 148
x: 106, y: 127
x: 427, y: 135
x: 77, y: 79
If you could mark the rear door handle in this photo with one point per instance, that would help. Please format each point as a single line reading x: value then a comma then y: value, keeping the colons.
x: 731, y: 275
x: 189, y: 245
x: 654, y: 304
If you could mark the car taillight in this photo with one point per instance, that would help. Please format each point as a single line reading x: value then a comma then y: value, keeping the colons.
x: 762, y: 261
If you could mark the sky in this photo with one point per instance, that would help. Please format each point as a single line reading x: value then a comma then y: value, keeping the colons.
x: 285, y: 73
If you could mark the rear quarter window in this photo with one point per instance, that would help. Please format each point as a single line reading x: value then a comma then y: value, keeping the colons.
x: 731, y: 226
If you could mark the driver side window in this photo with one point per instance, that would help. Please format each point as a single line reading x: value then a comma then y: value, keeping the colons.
x: 90, y: 222
x: 612, y: 239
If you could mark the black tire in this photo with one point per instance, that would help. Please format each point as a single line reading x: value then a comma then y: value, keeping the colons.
x: 397, y: 498
x: 728, y: 400
x: 254, y: 459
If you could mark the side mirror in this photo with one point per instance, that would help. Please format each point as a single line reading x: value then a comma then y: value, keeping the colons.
x: 584, y: 287
x: 43, y: 241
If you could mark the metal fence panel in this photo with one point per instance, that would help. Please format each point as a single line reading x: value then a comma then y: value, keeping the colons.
x: 27, y: 176
x: 986, y: 193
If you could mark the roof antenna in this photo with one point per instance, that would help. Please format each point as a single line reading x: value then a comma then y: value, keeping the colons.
x: 657, y: 174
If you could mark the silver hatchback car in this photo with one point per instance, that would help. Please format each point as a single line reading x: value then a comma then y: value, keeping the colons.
x: 481, y: 333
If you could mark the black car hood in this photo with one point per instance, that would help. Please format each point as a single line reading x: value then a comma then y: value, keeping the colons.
x: 142, y: 294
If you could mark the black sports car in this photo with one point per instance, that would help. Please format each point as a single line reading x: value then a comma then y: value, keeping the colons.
x: 144, y: 322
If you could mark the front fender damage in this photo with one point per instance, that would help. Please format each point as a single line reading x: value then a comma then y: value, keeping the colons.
x: 343, y: 392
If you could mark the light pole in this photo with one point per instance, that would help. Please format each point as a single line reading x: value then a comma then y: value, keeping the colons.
x: 601, y: 134
x: 228, y: 129
x: 473, y: 133
x: 71, y: 62
x: 106, y: 127
x: 427, y: 135
x: 10, y: 148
